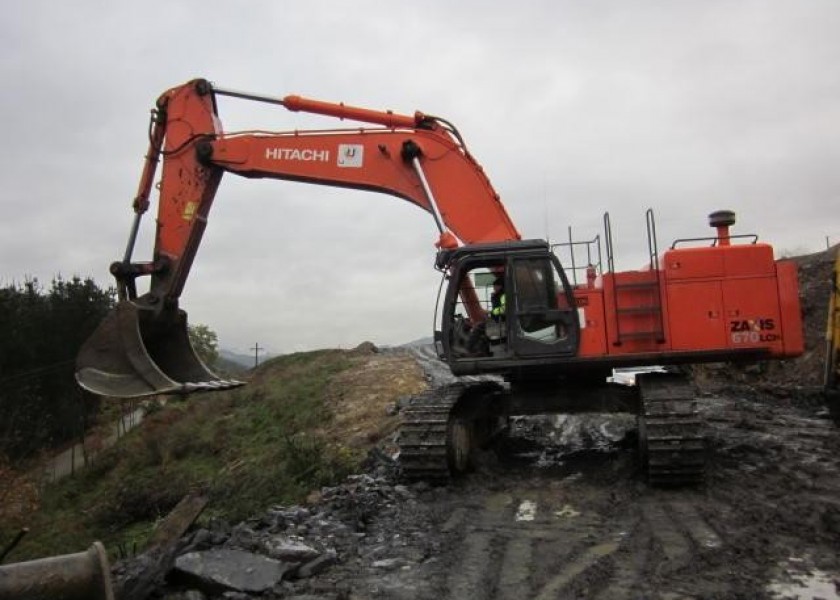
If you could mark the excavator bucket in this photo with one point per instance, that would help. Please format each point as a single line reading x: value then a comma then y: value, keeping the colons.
x: 139, y: 352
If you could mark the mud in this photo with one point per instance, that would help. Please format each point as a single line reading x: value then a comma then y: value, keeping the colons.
x: 585, y: 525
x: 559, y: 510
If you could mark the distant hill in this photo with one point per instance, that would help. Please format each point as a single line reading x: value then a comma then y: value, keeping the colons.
x: 224, y: 367
x: 243, y: 360
x: 425, y: 341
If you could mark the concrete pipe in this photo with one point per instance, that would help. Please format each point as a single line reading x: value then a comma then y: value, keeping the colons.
x: 81, y: 576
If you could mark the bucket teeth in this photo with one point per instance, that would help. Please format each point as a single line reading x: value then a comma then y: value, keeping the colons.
x: 209, y: 386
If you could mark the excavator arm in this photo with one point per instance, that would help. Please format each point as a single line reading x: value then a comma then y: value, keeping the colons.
x: 142, y: 348
x: 411, y: 157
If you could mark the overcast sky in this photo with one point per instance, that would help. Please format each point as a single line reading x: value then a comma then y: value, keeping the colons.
x: 573, y: 109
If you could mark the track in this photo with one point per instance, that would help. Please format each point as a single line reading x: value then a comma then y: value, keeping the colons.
x: 670, y: 431
x: 424, y: 433
x: 434, y: 442
x: 443, y: 427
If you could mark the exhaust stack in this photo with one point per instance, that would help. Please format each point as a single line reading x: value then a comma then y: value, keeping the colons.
x: 722, y: 220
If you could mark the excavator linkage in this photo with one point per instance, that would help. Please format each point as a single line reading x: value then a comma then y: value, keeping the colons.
x: 137, y: 351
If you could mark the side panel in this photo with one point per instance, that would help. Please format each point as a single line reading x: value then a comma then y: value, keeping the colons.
x: 752, y: 313
x: 749, y: 260
x: 696, y: 315
x: 723, y: 297
x: 693, y: 263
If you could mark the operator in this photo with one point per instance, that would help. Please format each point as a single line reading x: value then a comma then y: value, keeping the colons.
x: 497, y: 300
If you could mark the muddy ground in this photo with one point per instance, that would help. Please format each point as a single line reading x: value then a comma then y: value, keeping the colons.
x: 582, y: 524
x: 559, y: 509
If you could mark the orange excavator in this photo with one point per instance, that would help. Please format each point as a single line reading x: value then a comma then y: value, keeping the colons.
x: 556, y: 338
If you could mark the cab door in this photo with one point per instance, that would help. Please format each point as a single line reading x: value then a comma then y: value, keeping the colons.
x: 542, y: 319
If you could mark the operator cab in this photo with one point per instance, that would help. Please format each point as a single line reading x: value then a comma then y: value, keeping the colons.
x: 538, y: 318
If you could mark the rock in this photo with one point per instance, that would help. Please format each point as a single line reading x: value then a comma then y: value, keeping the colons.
x: 290, y: 550
x: 282, y: 517
x: 365, y: 348
x: 421, y: 486
x: 318, y: 565
x: 188, y: 595
x: 218, y: 571
x: 403, y: 492
x: 388, y: 564
x: 200, y: 540
x: 244, y: 537
x: 831, y: 519
x: 314, y: 497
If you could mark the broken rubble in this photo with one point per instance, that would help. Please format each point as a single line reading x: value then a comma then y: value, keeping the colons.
x: 317, y: 565
x: 353, y: 525
x: 290, y: 550
x: 221, y: 570
x: 388, y: 563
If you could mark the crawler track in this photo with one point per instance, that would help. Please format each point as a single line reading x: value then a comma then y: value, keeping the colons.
x: 670, y: 438
x: 443, y: 426
x: 423, y: 435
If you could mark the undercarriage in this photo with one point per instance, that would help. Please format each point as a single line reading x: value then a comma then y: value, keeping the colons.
x: 443, y: 428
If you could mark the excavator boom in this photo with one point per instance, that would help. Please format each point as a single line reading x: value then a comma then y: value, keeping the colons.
x: 142, y: 348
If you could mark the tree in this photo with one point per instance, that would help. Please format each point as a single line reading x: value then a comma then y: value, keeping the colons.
x: 40, y: 334
x: 205, y: 342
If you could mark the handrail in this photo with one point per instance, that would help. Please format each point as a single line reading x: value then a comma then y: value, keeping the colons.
x: 588, y: 244
x: 653, y: 247
x: 572, y: 255
x: 715, y: 239
x: 609, y: 243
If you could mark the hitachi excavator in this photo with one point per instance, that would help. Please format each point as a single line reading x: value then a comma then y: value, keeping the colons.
x: 562, y: 331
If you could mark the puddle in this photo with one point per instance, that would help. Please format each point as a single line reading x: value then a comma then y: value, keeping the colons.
x: 813, y: 585
x: 527, y: 511
x: 567, y: 512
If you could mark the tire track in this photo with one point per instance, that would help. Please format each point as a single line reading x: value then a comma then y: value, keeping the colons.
x: 529, y: 542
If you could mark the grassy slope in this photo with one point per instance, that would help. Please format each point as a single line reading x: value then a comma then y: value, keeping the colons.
x: 247, y: 449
